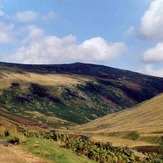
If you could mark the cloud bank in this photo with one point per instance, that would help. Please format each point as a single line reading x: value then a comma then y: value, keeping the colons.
x: 150, y: 70
x: 151, y: 29
x: 151, y: 26
x: 39, y: 48
x: 34, y: 46
x: 154, y: 55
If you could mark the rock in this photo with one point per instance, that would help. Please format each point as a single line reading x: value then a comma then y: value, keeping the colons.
x: 5, y: 143
x: 139, y: 154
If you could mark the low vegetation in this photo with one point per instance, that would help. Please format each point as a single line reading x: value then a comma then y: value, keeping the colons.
x: 11, y: 134
x: 61, y: 147
x: 133, y: 135
x: 52, y: 152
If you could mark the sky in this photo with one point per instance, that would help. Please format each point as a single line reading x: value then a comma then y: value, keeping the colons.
x: 122, y: 34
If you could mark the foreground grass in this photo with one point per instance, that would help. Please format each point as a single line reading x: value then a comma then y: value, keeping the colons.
x: 51, y: 147
x: 52, y: 152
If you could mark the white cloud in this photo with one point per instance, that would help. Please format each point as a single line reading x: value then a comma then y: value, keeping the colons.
x: 50, y: 16
x: 154, y: 55
x: 52, y: 49
x: 1, y: 13
x: 26, y: 16
x: 149, y: 70
x: 130, y: 31
x: 34, y: 34
x: 151, y: 26
x: 6, y: 33
x: 101, y: 49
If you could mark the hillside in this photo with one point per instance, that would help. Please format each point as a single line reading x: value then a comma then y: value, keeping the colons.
x: 144, y: 118
x: 70, y: 94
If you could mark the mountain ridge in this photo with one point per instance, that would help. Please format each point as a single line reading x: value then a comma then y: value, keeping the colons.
x: 69, y: 66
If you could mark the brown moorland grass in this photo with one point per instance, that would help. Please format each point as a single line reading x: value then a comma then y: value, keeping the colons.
x: 146, y: 119
x: 24, y: 78
x: 19, y: 120
x: 117, y: 141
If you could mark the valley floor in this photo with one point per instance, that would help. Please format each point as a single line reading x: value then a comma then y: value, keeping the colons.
x: 118, y: 141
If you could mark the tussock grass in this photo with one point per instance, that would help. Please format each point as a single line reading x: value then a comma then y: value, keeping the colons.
x: 133, y: 135
x: 11, y: 134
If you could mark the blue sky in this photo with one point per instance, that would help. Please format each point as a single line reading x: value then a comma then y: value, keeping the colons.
x: 124, y: 34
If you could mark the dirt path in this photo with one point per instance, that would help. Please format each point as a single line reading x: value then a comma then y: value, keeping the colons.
x: 15, y: 154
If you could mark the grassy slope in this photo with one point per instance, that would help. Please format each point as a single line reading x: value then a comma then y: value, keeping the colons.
x: 146, y: 117
x: 52, y: 152
x: 39, y: 108
x: 49, y: 151
x: 65, y: 95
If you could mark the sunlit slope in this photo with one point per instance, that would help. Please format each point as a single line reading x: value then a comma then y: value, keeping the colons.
x: 146, y: 117
x: 25, y: 78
